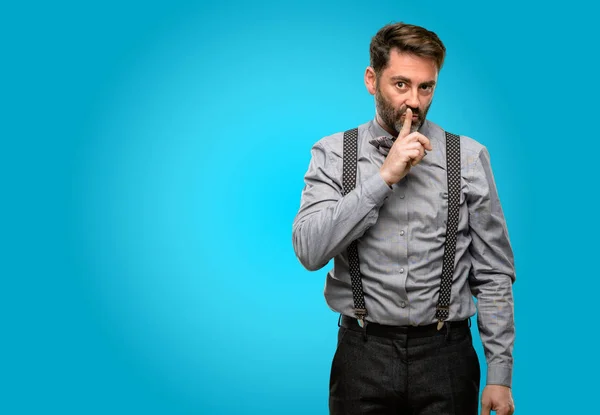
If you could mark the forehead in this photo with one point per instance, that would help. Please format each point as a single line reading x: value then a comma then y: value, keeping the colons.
x: 410, y: 66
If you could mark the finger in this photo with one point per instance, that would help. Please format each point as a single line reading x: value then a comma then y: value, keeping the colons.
x: 412, y: 155
x: 414, y: 145
x: 417, y: 136
x: 485, y: 408
x: 505, y: 410
x: 419, y: 148
x: 407, y: 124
x: 418, y: 159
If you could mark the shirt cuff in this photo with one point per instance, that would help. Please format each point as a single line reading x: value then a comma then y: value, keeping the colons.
x: 376, y: 188
x: 499, y: 375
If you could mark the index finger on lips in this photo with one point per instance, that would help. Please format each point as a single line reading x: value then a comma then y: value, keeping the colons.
x: 407, y: 124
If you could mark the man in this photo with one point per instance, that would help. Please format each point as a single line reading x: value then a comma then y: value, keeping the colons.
x: 401, y: 350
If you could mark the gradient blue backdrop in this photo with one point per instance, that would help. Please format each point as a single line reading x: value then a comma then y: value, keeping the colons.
x: 153, y: 156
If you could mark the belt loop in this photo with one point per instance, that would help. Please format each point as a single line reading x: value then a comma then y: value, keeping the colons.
x: 469, y: 320
x: 447, y: 330
x: 340, y: 320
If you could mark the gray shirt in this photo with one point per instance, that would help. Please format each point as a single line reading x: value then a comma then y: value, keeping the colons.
x: 401, y: 232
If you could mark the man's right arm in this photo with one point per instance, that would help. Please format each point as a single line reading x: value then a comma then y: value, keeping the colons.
x: 328, y: 222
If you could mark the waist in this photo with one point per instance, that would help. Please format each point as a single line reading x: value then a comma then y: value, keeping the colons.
x: 383, y: 330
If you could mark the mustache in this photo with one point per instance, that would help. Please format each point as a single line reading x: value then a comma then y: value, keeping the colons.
x: 415, y: 111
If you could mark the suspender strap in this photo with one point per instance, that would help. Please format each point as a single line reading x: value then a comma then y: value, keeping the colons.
x: 350, y: 160
x: 453, y: 173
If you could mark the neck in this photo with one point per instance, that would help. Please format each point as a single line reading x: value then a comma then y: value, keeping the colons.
x: 383, y: 125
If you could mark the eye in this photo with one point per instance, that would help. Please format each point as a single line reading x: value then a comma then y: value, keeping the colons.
x: 427, y: 87
x: 400, y: 85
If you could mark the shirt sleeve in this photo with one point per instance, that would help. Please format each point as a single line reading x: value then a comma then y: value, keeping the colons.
x: 492, y: 273
x: 328, y: 222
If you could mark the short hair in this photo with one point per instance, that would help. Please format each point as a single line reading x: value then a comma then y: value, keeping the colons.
x: 406, y: 38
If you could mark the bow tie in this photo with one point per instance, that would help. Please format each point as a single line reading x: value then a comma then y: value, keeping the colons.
x: 383, y: 144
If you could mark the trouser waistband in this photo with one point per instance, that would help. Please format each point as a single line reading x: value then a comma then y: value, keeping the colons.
x: 383, y: 330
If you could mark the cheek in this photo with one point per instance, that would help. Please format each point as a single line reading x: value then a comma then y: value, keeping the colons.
x: 398, y: 99
x: 394, y: 95
x: 426, y: 102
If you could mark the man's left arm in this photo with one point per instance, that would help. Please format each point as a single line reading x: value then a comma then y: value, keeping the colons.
x: 492, y: 273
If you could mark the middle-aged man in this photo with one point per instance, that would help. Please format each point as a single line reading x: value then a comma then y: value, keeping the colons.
x: 412, y: 218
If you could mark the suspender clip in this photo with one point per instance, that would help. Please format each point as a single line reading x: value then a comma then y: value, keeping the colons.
x: 360, y: 314
x: 441, y: 315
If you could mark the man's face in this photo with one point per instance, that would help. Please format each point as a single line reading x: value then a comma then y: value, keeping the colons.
x: 408, y: 81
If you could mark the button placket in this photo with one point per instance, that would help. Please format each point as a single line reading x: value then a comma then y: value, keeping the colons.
x: 403, y: 246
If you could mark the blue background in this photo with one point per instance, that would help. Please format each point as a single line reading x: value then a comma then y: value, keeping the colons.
x: 152, y: 161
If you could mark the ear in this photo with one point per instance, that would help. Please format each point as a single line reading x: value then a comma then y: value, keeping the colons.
x: 371, y: 80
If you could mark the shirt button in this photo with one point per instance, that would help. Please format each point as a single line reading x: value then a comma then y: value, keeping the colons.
x: 401, y: 196
x: 401, y: 232
x: 401, y: 270
x: 402, y: 304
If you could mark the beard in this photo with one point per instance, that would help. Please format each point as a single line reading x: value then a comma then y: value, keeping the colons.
x: 391, y: 116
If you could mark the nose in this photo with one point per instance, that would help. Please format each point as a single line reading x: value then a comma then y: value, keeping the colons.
x: 413, y: 99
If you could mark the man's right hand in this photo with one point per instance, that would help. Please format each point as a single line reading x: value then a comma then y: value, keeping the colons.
x: 407, y: 151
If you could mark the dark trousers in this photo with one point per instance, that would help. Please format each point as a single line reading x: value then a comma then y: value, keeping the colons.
x: 396, y: 371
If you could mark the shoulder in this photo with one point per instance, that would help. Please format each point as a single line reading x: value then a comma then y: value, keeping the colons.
x: 333, y: 144
x: 468, y: 145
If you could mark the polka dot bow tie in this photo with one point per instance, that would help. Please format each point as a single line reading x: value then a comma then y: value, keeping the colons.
x: 383, y: 144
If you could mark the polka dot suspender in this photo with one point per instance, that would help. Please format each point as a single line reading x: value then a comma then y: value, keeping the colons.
x: 349, y: 182
x: 453, y: 173
x: 350, y: 157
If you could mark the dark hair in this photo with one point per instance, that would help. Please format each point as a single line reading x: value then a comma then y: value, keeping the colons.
x: 406, y: 38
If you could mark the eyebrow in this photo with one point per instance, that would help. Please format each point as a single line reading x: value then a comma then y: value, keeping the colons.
x: 406, y: 80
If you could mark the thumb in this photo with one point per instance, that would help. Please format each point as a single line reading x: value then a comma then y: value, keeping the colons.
x: 486, y: 406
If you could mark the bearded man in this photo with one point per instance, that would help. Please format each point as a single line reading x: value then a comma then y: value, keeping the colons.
x: 411, y: 216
